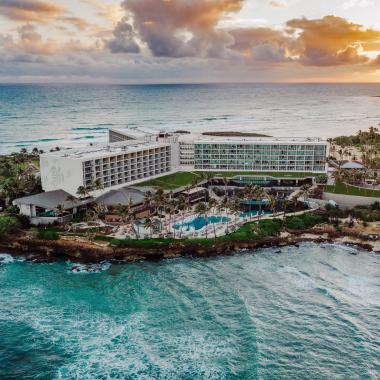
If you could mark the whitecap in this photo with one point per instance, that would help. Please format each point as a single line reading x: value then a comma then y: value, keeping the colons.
x: 5, y: 258
x: 75, y: 268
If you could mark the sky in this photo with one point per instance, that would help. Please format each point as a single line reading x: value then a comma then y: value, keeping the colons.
x: 189, y: 41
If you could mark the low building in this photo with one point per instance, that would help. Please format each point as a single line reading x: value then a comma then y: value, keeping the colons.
x: 50, y: 207
x: 128, y: 197
x: 195, y: 195
x: 352, y: 165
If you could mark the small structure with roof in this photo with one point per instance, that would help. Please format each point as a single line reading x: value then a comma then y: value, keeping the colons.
x: 352, y: 165
x: 126, y: 196
x: 56, y: 206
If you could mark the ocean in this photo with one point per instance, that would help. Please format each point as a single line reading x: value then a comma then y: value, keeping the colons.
x: 310, y: 312
x: 47, y: 116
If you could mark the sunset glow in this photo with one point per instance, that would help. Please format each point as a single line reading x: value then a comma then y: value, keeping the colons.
x: 155, y: 41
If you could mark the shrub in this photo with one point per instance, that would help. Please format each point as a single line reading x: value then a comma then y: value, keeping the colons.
x: 295, y: 223
x: 270, y: 227
x: 47, y: 235
x: 9, y: 224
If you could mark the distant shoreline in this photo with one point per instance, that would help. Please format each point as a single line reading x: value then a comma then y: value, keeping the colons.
x: 89, y: 252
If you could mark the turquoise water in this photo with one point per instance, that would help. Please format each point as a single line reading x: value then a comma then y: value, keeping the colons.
x: 253, y: 213
x: 305, y: 313
x: 46, y: 116
x: 199, y: 222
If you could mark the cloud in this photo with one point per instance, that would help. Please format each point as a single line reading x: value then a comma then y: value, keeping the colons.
x: 277, y: 4
x: 331, y: 41
x: 357, y: 3
x: 30, y: 10
x: 124, y: 38
x: 29, y: 42
x: 182, y: 28
x: 262, y: 44
x: 78, y: 22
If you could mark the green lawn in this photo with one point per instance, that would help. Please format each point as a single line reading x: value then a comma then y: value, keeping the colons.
x: 245, y: 232
x: 341, y: 188
x: 173, y: 181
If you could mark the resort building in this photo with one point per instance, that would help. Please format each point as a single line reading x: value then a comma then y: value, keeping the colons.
x: 134, y: 155
x: 277, y: 155
x: 245, y: 152
x: 111, y: 166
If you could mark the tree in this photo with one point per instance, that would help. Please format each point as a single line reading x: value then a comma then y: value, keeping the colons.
x: 235, y: 207
x: 70, y: 198
x: 148, y: 225
x: 60, y: 210
x: 260, y: 195
x: 201, y: 210
x: 250, y: 192
x: 82, y: 191
x: 98, y: 184
x: 210, y: 205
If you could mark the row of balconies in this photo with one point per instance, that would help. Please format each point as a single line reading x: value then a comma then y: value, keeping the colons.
x: 113, y: 175
x: 264, y: 167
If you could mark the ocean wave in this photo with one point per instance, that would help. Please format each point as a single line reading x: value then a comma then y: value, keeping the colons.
x: 75, y: 268
x: 88, y: 137
x: 101, y: 127
x: 5, y: 258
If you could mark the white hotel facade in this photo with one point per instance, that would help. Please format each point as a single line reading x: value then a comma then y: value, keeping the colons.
x: 134, y: 155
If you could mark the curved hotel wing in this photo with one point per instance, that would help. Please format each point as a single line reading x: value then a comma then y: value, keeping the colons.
x: 134, y: 155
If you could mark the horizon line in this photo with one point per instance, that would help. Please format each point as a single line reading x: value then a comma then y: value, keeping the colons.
x: 182, y: 83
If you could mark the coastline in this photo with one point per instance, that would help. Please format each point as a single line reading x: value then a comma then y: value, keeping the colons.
x: 86, y: 252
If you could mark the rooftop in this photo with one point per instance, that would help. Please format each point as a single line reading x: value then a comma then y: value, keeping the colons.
x: 254, y: 139
x: 122, y: 196
x: 214, y: 136
x: 50, y: 200
x: 98, y: 151
x: 352, y: 165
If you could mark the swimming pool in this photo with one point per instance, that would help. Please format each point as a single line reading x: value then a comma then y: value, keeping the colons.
x: 254, y: 213
x: 197, y: 223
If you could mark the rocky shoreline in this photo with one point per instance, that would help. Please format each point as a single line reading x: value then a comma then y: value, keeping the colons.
x: 90, y: 252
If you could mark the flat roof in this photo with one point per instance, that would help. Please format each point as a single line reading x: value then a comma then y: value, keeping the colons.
x: 134, y: 132
x: 263, y: 140
x: 198, y: 136
x: 109, y: 150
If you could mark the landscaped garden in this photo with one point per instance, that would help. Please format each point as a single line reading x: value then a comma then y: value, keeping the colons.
x: 181, y: 179
x: 342, y: 188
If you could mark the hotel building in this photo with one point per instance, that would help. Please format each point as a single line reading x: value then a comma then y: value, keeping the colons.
x: 278, y: 155
x: 134, y: 155
x: 114, y: 165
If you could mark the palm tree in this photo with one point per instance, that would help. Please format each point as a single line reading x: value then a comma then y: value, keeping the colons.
x: 82, y: 192
x: 158, y: 201
x: 210, y: 205
x: 184, y: 205
x: 249, y: 192
x: 70, y: 198
x: 224, y: 204
x: 98, y: 184
x: 235, y: 207
x: 260, y: 195
x: 201, y: 210
x: 121, y: 211
x: 272, y: 203
x: 225, y: 182
x: 305, y: 191
x: 148, y: 225
x: 60, y: 210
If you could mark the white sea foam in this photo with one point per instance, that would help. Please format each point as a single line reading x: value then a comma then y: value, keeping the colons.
x: 5, y: 258
x: 75, y: 268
